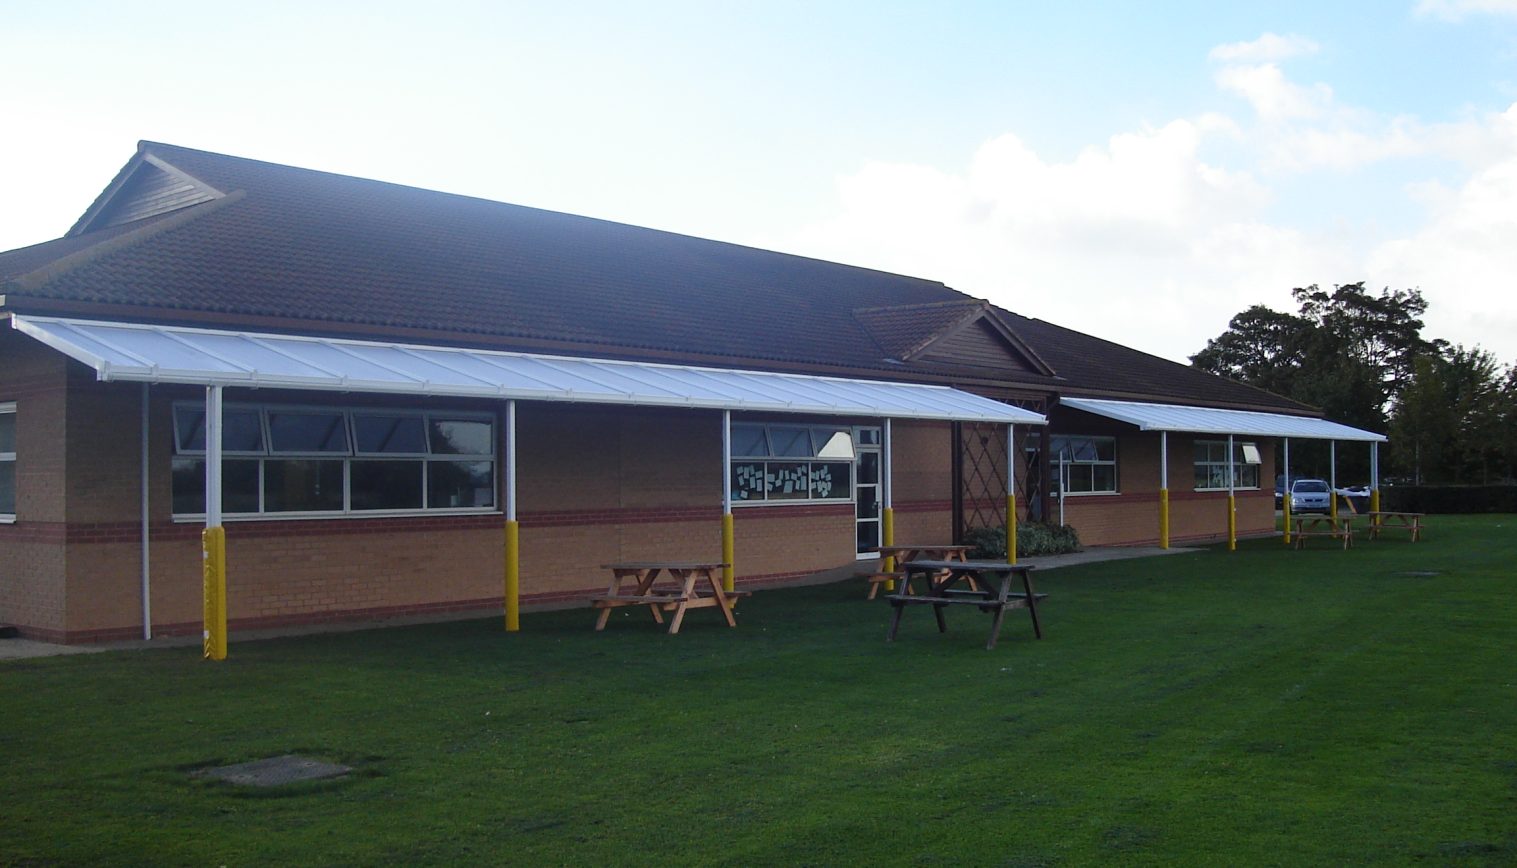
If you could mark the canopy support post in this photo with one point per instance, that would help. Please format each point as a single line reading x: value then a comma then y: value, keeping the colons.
x: 213, y: 538
x: 1232, y: 500
x: 1285, y: 497
x: 887, y: 499
x: 1375, y: 479
x: 729, y: 547
x: 146, y: 565
x: 1332, y: 477
x: 513, y: 528
x: 1163, y: 489
x: 1011, y: 494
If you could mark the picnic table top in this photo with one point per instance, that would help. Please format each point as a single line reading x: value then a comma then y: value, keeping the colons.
x: 925, y: 547
x: 665, y: 565
x: 976, y: 566
x: 1384, y: 512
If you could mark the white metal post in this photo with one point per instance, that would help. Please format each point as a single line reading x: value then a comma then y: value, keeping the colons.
x: 513, y: 529
x: 1164, y: 489
x: 1011, y: 493
x: 147, y: 597
x: 1232, y: 502
x: 510, y: 460
x: 1332, y: 477
x: 729, y: 535
x: 887, y: 484
x: 213, y: 456
x: 1285, y: 493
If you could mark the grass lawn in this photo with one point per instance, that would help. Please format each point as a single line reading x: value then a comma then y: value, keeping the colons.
x: 1263, y: 706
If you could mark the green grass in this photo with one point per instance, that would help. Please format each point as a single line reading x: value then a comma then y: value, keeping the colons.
x: 1260, y: 707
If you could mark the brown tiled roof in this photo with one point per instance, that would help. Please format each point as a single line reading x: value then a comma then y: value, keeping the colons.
x: 1092, y: 367
x: 298, y: 250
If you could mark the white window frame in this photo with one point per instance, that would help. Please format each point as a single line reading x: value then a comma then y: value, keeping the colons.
x: 1239, y: 452
x: 347, y: 458
x: 765, y: 460
x: 8, y: 408
x: 1056, y: 465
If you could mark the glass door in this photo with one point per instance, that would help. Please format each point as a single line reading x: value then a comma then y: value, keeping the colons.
x: 866, y: 443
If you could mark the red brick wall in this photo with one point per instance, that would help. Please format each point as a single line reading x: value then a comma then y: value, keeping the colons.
x: 32, y: 556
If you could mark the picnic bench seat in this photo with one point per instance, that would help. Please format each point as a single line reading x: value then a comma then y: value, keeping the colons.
x: 876, y: 579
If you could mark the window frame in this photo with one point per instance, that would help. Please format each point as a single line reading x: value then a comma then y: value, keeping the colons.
x: 8, y: 408
x: 1238, y: 464
x: 763, y: 461
x: 1057, y: 488
x: 347, y: 458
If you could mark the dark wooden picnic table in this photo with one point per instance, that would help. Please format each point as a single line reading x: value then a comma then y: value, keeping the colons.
x: 990, y: 591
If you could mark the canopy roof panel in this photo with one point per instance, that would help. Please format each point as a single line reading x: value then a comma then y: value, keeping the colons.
x: 170, y: 354
x: 1206, y: 420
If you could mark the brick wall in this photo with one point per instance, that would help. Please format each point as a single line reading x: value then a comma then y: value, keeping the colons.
x: 32, y: 555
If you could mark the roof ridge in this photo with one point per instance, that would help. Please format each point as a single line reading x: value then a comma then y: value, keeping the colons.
x: 62, y: 265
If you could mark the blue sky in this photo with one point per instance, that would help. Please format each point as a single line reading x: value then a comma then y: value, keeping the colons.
x: 1141, y: 172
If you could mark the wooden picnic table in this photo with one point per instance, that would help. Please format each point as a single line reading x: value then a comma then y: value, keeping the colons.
x: 698, y: 586
x: 940, y: 577
x: 1407, y: 521
x: 1308, y: 526
x: 900, y: 554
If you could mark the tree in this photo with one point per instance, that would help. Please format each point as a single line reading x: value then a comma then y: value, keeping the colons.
x: 1451, y: 422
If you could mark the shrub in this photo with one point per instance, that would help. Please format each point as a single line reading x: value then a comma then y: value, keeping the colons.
x: 1032, y: 539
x: 1449, y: 499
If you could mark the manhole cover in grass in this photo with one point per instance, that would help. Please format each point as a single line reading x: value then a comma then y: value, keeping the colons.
x: 1417, y: 574
x: 275, y: 771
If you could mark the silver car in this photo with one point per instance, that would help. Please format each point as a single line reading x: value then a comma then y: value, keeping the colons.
x: 1309, y: 495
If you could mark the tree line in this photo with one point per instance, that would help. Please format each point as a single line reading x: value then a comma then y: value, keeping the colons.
x: 1450, y: 411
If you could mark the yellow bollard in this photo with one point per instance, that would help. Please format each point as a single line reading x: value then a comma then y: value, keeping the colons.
x: 887, y: 538
x: 1232, y: 523
x: 729, y: 572
x: 213, y: 546
x: 1011, y: 528
x: 1163, y: 518
x: 1375, y: 504
x: 1285, y: 505
x: 513, y: 576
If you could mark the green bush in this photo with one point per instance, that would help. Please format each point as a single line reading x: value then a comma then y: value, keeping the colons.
x: 1032, y: 539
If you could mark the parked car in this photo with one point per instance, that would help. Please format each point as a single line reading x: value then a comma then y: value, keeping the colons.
x: 1309, y: 495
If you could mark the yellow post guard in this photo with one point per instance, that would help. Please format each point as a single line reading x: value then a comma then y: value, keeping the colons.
x: 887, y: 538
x: 1285, y: 516
x: 213, y: 550
x: 729, y: 572
x: 1232, y: 523
x: 1163, y: 518
x: 513, y: 576
x: 1375, y: 503
x: 1011, y: 528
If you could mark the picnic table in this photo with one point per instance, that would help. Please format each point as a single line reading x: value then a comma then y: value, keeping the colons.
x: 903, y: 553
x: 1407, y: 521
x: 697, y: 586
x: 1308, y: 526
x: 940, y: 577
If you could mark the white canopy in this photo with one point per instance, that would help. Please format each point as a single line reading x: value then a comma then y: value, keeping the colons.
x: 1205, y: 420
x: 170, y: 354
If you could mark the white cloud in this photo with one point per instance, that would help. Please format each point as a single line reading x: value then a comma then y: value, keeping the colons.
x: 1464, y: 258
x: 1266, y: 48
x: 1458, y: 10
x: 1146, y: 240
x: 1273, y: 97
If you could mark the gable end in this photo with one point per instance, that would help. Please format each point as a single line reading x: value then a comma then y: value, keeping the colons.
x: 149, y: 188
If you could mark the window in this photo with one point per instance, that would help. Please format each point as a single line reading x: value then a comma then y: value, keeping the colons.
x: 781, y: 463
x: 1211, y: 465
x: 7, y: 462
x: 319, y: 460
x: 1087, y: 465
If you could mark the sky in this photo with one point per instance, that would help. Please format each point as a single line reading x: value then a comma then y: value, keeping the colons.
x: 1139, y: 172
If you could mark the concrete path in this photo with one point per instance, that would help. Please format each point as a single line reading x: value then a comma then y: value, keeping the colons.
x: 21, y: 649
